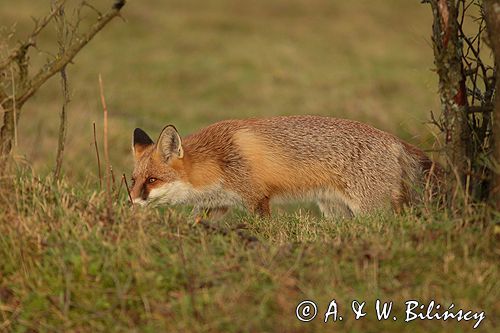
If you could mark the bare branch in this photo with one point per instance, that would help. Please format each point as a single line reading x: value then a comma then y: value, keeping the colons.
x: 30, y: 41
x: 474, y: 51
x: 62, y: 124
x: 62, y: 39
x: 492, y: 15
x: 57, y: 64
x: 25, y: 86
x: 14, y: 106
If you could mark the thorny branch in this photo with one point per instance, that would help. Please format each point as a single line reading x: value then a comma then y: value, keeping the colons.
x: 25, y: 84
x: 467, y: 89
x: 62, y: 39
x: 30, y: 41
x: 57, y: 64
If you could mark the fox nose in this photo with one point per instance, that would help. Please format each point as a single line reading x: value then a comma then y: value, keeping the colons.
x: 139, y: 194
x: 144, y: 193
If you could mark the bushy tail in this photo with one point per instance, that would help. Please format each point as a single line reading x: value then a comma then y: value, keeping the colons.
x: 420, y: 172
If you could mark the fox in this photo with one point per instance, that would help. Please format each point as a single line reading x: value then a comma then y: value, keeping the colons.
x: 347, y: 167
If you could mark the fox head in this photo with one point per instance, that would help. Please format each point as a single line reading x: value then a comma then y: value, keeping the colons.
x: 158, y: 168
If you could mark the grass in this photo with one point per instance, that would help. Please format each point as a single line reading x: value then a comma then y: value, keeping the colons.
x: 63, y: 267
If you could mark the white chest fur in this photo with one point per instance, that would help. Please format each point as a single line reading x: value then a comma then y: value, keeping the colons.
x: 179, y: 192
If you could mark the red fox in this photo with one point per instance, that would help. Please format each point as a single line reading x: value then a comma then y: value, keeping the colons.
x: 347, y: 167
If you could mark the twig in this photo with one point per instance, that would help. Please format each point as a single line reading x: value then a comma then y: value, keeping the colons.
x: 474, y: 51
x: 128, y: 189
x: 113, y: 186
x: 106, y: 150
x: 98, y: 159
x: 86, y: 4
x: 30, y: 40
x: 436, y: 123
x: 62, y: 125
x: 14, y: 108
x: 62, y: 36
x: 57, y: 64
x: 27, y: 86
x: 479, y: 109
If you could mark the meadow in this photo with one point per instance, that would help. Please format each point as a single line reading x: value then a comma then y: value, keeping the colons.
x: 65, y: 267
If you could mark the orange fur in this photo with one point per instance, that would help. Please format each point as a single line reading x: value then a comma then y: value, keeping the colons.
x: 347, y: 166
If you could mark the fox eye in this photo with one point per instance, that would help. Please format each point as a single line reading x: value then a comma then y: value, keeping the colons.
x: 151, y: 180
x: 132, y: 181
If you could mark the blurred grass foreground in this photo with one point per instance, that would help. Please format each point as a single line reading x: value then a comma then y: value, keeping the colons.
x: 64, y: 268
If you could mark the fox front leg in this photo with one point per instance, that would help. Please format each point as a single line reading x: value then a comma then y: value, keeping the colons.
x: 212, y: 214
x: 261, y: 207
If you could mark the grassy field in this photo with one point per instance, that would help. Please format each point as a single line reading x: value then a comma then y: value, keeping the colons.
x: 192, y: 63
x: 63, y: 267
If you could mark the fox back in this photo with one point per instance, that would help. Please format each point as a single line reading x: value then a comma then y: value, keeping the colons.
x: 347, y: 167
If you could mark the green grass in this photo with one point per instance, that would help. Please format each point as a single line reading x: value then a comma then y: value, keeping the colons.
x: 63, y: 267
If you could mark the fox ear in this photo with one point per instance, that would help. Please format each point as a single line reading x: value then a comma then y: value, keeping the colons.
x: 169, y: 143
x: 140, y: 143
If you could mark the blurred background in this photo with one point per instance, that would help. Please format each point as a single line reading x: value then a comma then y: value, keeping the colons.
x: 191, y: 63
